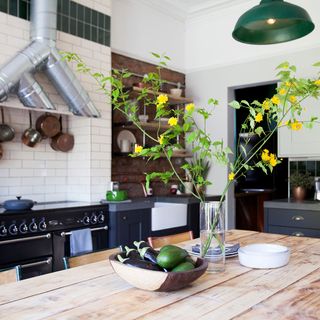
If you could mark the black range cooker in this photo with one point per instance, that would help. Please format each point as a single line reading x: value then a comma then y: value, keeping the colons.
x: 36, y: 240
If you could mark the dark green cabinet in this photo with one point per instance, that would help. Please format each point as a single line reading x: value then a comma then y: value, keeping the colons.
x: 128, y: 226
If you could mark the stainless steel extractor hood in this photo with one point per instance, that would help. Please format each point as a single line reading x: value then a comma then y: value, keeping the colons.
x: 16, y: 76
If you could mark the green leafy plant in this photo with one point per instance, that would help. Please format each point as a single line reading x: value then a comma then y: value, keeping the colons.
x: 283, y: 109
x: 303, y: 180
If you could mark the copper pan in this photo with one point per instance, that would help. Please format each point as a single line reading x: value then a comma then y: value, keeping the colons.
x: 62, y: 141
x: 48, y: 125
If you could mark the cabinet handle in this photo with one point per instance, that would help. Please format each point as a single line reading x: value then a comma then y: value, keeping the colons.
x: 297, y: 234
x: 124, y: 218
x: 297, y: 218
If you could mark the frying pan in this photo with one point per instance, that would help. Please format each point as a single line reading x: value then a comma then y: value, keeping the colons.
x: 31, y: 136
x: 6, y: 132
x: 62, y: 141
x: 48, y: 125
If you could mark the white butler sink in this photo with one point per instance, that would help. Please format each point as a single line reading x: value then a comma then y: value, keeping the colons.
x: 166, y: 215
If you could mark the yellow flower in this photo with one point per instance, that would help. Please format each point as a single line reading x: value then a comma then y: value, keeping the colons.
x: 190, y: 107
x: 161, y: 138
x: 266, y: 151
x: 275, y: 100
x: 288, y: 84
x: 296, y: 126
x: 273, y: 160
x: 162, y: 99
x: 293, y: 99
x: 282, y: 91
x: 266, y: 105
x: 173, y: 121
x: 265, y: 156
x: 137, y: 148
x: 259, y: 117
x: 231, y: 176
x: 317, y: 82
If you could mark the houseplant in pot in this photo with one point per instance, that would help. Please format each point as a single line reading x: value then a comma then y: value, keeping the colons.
x: 283, y: 109
x: 300, y: 183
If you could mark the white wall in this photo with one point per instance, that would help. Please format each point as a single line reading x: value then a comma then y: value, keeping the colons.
x: 138, y: 29
x: 41, y: 173
x: 209, y: 41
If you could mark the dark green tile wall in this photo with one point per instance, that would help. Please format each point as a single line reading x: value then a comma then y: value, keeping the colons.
x: 73, y: 18
x: 313, y: 167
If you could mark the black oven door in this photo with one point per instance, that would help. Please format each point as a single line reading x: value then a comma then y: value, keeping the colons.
x: 61, y: 244
x: 32, y: 255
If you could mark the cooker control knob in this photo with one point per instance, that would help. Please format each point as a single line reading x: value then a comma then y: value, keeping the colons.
x: 13, y: 230
x: 94, y: 219
x: 42, y: 225
x: 101, y: 218
x: 3, y: 231
x: 33, y: 227
x: 86, y: 220
x: 23, y: 228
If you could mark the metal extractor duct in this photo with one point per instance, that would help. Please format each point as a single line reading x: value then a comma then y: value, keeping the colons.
x: 16, y: 76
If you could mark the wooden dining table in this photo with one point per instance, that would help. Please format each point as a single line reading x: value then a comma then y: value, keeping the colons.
x: 94, y: 291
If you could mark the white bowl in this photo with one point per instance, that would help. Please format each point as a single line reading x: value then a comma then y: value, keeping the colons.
x: 264, y: 256
x: 176, y: 92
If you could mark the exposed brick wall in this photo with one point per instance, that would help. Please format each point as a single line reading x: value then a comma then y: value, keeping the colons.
x: 130, y: 172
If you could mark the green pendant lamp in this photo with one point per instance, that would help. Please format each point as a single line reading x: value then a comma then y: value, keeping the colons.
x: 272, y: 21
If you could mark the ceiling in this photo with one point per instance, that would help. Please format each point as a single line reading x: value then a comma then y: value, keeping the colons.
x: 191, y: 8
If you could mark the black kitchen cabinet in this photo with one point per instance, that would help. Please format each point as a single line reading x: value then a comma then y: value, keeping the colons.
x: 128, y: 226
x: 295, y: 222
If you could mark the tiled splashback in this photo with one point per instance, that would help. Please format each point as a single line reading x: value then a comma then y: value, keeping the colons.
x: 40, y: 173
x: 74, y: 18
x: 313, y: 167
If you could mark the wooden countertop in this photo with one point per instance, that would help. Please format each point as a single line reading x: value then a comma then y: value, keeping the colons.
x: 94, y: 291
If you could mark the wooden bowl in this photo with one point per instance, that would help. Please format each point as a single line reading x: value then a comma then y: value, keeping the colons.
x: 157, y: 280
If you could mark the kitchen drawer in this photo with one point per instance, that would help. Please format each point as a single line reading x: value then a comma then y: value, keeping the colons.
x: 293, y: 218
x: 299, y: 232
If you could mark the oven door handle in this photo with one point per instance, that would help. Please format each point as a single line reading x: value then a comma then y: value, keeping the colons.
x: 63, y: 234
x: 38, y: 263
x: 44, y: 236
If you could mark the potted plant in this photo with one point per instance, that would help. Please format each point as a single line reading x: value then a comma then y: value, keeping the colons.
x: 300, y: 183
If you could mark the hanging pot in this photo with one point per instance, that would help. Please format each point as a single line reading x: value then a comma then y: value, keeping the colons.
x: 6, y: 132
x: 31, y: 136
x: 48, y: 125
x: 62, y: 141
x: 18, y: 204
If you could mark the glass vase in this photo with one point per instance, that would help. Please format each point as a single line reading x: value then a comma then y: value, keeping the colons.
x: 212, y: 235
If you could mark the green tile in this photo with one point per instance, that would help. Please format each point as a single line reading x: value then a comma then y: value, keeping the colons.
x: 318, y: 168
x: 94, y: 18
x: 23, y: 9
x: 80, y: 29
x: 94, y: 34
x: 293, y: 166
x: 59, y: 22
x: 311, y: 167
x: 101, y: 33
x: 107, y: 38
x: 302, y: 166
x: 87, y: 15
x: 4, y: 6
x: 13, y: 7
x: 87, y: 31
x: 73, y: 9
x: 73, y: 26
x: 100, y: 20
x: 80, y: 13
x: 59, y: 6
x: 65, y: 24
x: 107, y: 22
x: 65, y: 7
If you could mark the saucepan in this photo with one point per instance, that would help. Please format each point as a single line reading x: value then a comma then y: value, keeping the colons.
x: 6, y: 132
x: 48, y: 125
x: 31, y: 136
x: 62, y: 141
x: 18, y: 204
